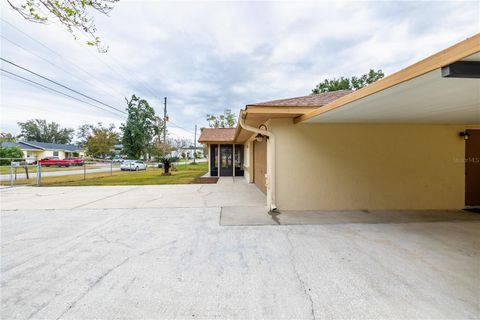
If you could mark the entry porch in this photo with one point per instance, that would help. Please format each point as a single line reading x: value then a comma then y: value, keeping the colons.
x: 225, y: 160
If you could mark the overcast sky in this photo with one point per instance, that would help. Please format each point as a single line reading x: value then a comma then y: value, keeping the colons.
x: 208, y: 56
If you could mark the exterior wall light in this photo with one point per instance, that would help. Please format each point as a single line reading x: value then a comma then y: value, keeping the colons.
x: 464, y: 134
x: 259, y: 137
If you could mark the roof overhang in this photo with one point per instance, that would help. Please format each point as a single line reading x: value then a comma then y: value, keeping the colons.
x: 256, y: 115
x: 212, y: 142
x: 416, y: 94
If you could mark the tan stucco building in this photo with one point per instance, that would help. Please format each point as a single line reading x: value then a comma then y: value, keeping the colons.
x: 408, y: 141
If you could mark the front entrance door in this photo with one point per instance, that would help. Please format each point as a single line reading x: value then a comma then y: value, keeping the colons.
x: 226, y: 160
x: 472, y: 168
x: 214, y: 160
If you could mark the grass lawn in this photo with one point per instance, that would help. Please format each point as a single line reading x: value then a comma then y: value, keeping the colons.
x: 185, y: 174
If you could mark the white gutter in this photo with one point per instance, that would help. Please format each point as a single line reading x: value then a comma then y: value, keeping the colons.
x: 270, y: 160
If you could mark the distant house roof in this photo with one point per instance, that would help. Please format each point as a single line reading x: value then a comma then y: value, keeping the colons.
x: 53, y: 146
x: 21, y: 145
x: 8, y: 144
x: 33, y: 145
x: 217, y: 135
x: 313, y: 100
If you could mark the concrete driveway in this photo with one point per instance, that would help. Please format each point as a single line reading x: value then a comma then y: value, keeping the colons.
x: 159, y: 252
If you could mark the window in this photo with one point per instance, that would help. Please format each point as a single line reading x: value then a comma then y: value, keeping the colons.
x: 55, y: 153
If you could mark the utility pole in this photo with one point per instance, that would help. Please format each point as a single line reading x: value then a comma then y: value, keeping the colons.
x: 165, y: 127
x: 195, y: 145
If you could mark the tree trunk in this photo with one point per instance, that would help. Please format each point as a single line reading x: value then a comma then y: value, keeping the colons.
x: 166, y: 169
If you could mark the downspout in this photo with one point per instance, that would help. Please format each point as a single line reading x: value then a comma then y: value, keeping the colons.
x: 272, y: 207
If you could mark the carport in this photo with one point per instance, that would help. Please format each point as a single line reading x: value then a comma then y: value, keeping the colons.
x: 410, y: 141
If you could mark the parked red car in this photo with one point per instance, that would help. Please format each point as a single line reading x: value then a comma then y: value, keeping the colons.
x: 75, y: 161
x: 54, y: 161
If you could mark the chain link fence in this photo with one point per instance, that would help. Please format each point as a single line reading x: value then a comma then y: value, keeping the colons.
x: 18, y: 172
x: 22, y: 172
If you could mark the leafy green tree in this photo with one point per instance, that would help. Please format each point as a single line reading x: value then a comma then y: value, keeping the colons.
x: 158, y: 148
x: 140, y: 128
x: 366, y: 79
x: 10, y: 152
x: 225, y: 120
x: 102, y: 140
x: 332, y: 85
x: 84, y: 132
x: 353, y: 83
x: 7, y: 136
x: 40, y: 131
x: 75, y: 15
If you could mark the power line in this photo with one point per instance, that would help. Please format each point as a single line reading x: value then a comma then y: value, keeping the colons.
x: 177, y: 136
x: 176, y: 125
x: 119, y: 64
x: 34, y: 83
x: 126, y: 72
x: 31, y: 82
x: 149, y: 89
x: 59, y: 55
x: 97, y: 57
x: 46, y: 60
x: 108, y: 65
x: 61, y: 85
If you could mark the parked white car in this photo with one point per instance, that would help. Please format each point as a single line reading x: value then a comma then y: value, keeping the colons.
x: 133, y: 165
x: 30, y: 160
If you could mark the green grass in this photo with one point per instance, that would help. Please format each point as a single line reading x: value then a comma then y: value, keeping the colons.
x: 184, y: 175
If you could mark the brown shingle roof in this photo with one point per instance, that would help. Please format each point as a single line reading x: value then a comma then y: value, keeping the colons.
x: 313, y: 100
x: 217, y: 135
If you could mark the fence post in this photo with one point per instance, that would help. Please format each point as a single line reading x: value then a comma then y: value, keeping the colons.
x: 11, y: 173
x: 39, y: 174
x: 111, y: 167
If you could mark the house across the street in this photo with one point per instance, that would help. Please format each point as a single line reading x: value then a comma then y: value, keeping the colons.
x: 33, y: 150
x: 408, y: 141
x: 188, y: 152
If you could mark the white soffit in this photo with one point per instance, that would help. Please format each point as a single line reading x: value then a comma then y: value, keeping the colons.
x: 425, y: 99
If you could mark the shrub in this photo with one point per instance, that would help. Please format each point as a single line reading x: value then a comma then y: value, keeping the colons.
x: 10, y: 152
x: 167, y: 163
